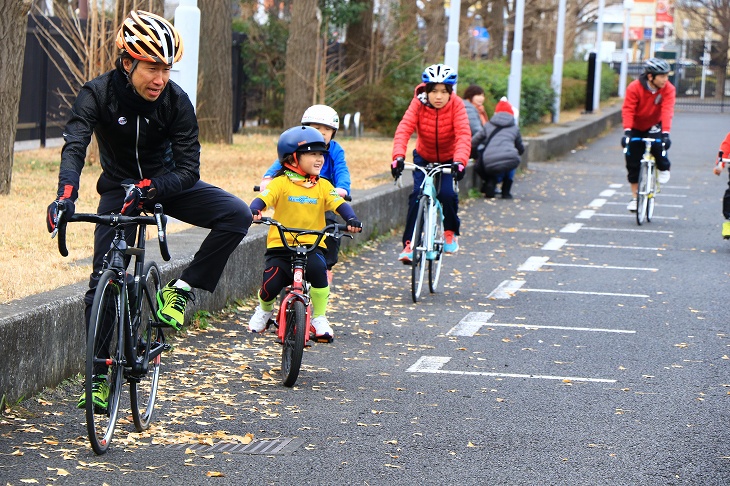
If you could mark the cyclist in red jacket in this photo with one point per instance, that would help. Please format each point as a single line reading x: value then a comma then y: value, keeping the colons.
x: 647, y: 112
x: 439, y: 118
x: 719, y: 165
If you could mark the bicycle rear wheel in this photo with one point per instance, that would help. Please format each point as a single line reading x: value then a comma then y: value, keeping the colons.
x: 418, y: 267
x: 149, y: 343
x: 104, y: 351
x: 293, y: 343
x: 642, y: 199
x: 436, y: 258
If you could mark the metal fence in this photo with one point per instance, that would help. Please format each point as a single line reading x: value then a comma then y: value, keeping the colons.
x: 699, y: 88
x: 42, y: 112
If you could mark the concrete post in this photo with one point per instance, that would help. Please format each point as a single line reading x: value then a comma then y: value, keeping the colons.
x: 185, y: 71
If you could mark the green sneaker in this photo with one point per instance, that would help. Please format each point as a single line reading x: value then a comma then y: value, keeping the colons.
x: 726, y: 230
x: 99, y: 393
x: 171, y: 302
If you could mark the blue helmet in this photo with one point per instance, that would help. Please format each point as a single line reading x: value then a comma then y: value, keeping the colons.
x: 300, y: 139
x: 439, y: 73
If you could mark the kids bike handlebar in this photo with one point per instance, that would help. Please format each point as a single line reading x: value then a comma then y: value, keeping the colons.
x: 333, y: 230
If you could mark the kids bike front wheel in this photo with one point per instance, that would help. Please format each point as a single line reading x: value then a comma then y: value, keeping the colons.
x: 418, y: 263
x: 295, y: 336
x: 435, y: 257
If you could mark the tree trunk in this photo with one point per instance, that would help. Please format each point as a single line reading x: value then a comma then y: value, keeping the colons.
x: 12, y: 52
x: 215, y: 90
x: 435, y: 19
x: 358, y: 43
x: 301, y: 60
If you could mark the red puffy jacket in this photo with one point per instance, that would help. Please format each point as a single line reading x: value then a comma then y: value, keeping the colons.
x: 442, y: 135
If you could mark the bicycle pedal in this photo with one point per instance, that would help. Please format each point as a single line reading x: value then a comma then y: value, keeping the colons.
x: 322, y: 339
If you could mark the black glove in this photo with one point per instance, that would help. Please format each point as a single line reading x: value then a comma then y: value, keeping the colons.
x: 137, y: 193
x: 255, y: 212
x: 354, y: 222
x: 64, y: 202
x: 626, y: 138
x: 458, y: 170
x: 397, y: 166
x: 665, y: 140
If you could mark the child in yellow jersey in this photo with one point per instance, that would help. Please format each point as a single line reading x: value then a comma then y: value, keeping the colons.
x: 300, y: 199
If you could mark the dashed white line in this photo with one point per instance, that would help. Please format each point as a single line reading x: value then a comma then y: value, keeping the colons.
x: 586, y: 214
x: 571, y: 228
x: 554, y: 244
x: 533, y: 264
x: 470, y: 324
x: 506, y: 289
x: 560, y: 328
x: 630, y: 230
x: 433, y: 364
x: 607, y: 193
x: 621, y: 215
x: 597, y: 203
x: 601, y: 267
x: 617, y: 247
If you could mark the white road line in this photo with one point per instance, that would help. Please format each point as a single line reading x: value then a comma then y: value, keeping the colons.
x: 561, y: 328
x: 586, y: 214
x: 554, y: 244
x: 597, y: 203
x: 470, y: 324
x: 600, y: 267
x: 616, y: 203
x: 571, y: 228
x: 615, y: 186
x: 581, y: 292
x: 660, y: 196
x: 618, y: 247
x: 506, y: 289
x: 614, y: 215
x: 433, y: 364
x: 607, y: 193
x: 533, y: 264
x: 630, y: 230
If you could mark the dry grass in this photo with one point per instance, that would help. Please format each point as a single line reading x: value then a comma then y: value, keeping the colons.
x: 30, y: 262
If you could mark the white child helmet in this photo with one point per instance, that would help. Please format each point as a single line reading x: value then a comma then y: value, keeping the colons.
x: 322, y: 114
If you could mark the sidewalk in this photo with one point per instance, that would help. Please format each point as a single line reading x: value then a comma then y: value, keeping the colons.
x: 43, y: 343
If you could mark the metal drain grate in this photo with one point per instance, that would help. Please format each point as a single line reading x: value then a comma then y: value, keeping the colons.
x: 263, y: 446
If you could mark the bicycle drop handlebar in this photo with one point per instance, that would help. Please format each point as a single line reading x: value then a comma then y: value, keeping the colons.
x: 158, y: 219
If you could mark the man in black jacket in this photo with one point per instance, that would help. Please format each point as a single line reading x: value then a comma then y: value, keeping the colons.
x: 148, y: 143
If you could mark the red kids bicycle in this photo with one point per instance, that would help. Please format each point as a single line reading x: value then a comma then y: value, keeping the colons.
x: 293, y: 320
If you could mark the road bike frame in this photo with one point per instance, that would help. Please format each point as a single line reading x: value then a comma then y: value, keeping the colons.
x: 123, y: 333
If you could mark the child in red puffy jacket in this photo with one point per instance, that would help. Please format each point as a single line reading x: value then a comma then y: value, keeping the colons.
x: 439, y: 118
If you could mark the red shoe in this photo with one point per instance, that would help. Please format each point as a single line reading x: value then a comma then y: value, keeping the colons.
x: 406, y: 255
x: 451, y: 245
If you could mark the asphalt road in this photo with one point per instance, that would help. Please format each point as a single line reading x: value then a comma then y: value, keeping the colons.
x: 566, y: 345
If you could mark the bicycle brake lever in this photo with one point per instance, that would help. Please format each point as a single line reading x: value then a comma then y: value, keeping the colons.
x: 58, y: 218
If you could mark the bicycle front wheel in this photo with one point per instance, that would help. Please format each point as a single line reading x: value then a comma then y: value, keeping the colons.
x: 418, y: 242
x: 293, y: 343
x: 104, y: 366
x: 435, y: 258
x: 149, y: 343
x: 642, y: 197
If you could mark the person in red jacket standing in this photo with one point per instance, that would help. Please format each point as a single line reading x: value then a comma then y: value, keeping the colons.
x: 439, y: 118
x: 647, y: 113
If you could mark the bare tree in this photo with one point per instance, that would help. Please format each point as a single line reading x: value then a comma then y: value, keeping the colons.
x: 358, y: 43
x: 301, y: 60
x: 215, y: 90
x: 712, y: 16
x: 12, y: 49
x: 435, y: 18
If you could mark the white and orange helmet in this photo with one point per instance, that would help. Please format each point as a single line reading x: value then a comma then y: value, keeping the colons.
x: 149, y: 37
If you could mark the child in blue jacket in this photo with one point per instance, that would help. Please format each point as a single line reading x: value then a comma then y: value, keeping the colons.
x: 335, y: 170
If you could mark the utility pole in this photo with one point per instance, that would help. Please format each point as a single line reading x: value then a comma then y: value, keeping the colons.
x: 514, y: 86
x: 599, y: 61
x: 623, y: 73
x: 557, y: 80
x: 451, y: 54
x: 185, y: 71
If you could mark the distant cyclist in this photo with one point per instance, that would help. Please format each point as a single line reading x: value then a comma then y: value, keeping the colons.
x: 647, y: 113
x: 148, y: 141
x: 443, y: 136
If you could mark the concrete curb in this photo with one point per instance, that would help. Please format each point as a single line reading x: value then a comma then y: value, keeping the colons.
x: 42, y: 341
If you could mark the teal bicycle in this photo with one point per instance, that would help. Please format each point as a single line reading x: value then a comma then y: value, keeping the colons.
x: 427, y: 241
